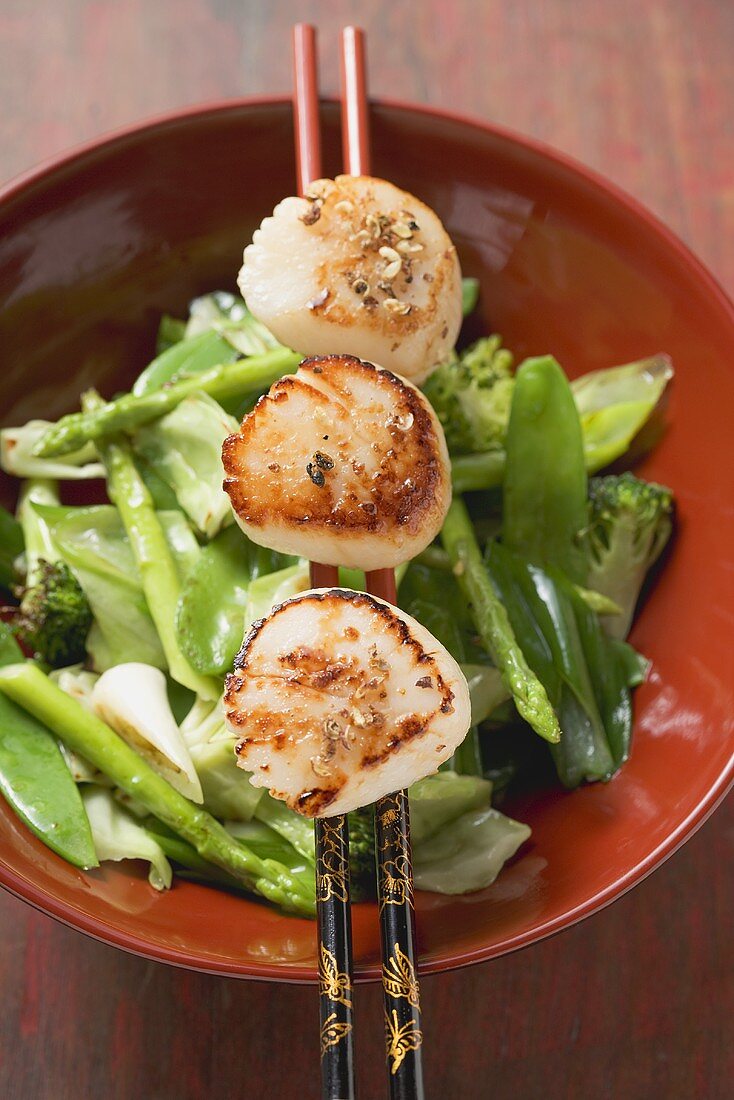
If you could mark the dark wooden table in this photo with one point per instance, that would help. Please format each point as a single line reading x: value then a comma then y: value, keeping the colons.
x: 638, y: 1001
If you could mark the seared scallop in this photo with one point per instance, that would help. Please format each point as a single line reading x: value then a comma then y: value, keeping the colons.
x: 342, y: 463
x: 358, y: 265
x: 339, y: 698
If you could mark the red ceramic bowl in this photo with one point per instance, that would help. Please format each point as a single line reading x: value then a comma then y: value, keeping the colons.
x: 94, y: 247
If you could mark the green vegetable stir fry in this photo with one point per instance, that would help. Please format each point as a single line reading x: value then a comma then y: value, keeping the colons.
x: 122, y: 619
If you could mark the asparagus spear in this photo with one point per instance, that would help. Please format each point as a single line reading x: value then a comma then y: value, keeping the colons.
x: 161, y: 583
x: 130, y: 411
x: 83, y: 732
x: 478, y: 471
x: 436, y: 558
x: 493, y: 624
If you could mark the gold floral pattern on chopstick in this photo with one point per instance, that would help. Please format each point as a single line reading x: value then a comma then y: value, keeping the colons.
x: 332, y: 865
x: 333, y: 1031
x: 400, y: 1039
x: 399, y: 978
x: 333, y: 983
x: 396, y: 878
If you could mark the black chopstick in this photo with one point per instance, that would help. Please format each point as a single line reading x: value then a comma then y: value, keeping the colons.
x: 335, y: 952
x: 401, y: 992
x: 334, y: 918
x: 333, y: 908
x: 403, y: 1032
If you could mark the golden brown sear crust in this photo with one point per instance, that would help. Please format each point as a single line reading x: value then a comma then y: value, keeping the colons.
x: 331, y: 597
x: 397, y: 481
x: 313, y: 803
x: 327, y: 710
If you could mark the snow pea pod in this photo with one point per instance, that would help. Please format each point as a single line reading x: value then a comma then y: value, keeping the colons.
x: 614, y: 667
x: 185, y: 358
x: 210, y: 617
x: 493, y: 624
x: 587, y: 675
x: 545, y: 488
x: 35, y: 780
x: 614, y: 405
x: 219, y: 331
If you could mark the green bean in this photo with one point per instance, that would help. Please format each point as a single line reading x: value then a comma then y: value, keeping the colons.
x: 82, y: 731
x: 493, y: 624
x: 130, y: 411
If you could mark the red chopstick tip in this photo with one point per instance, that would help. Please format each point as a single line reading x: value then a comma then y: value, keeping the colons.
x: 306, y: 104
x: 355, y: 120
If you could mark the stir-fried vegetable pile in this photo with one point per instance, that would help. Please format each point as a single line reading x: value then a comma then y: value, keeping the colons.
x: 113, y: 743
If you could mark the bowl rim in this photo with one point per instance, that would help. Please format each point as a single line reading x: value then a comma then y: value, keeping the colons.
x: 103, y: 931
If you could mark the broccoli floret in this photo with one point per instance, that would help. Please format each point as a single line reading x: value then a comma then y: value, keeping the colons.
x: 471, y: 395
x: 362, y: 866
x: 55, y: 615
x: 630, y: 521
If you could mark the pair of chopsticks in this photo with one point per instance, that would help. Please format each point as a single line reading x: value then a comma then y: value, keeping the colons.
x: 403, y: 1034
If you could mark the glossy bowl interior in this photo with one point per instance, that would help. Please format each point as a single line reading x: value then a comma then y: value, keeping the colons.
x: 94, y: 247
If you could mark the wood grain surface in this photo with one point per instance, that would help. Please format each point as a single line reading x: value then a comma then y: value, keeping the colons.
x: 636, y: 1002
